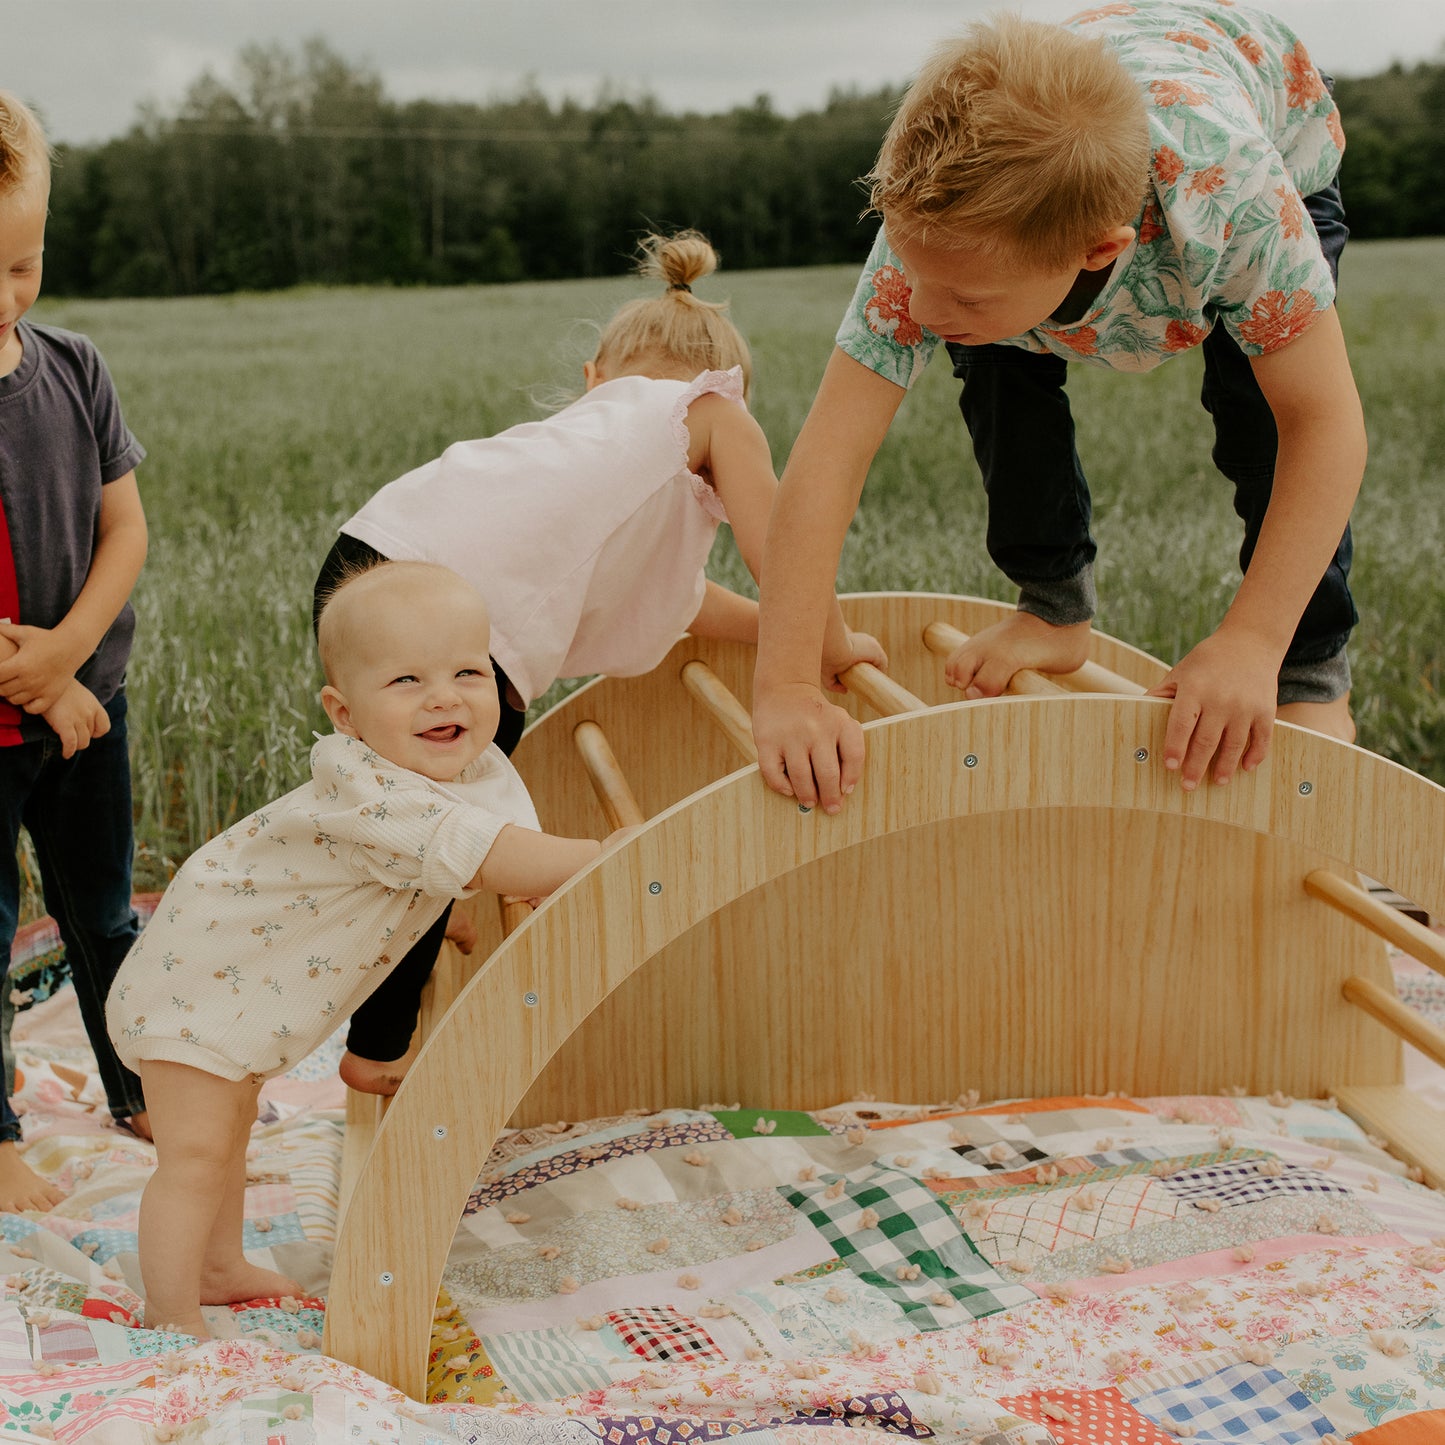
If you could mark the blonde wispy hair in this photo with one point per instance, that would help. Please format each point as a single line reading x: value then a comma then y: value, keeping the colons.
x: 24, y: 151
x: 1018, y: 137
x: 684, y: 332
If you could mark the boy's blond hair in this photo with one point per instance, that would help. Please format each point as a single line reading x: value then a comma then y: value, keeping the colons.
x: 1020, y: 137
x: 24, y: 151
x: 690, y: 334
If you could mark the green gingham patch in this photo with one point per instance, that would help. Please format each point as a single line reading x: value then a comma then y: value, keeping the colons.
x: 883, y: 1225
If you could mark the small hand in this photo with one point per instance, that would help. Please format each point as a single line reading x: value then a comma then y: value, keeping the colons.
x: 77, y: 719
x: 36, y: 675
x: 1224, y: 695
x: 985, y: 664
x: 861, y: 648
x: 808, y: 748
x: 461, y: 932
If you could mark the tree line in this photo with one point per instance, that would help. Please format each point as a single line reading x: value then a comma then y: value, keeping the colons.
x: 303, y: 171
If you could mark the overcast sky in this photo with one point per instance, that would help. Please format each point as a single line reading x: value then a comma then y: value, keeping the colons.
x: 87, y: 64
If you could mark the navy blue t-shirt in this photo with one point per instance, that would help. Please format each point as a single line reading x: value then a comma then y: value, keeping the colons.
x: 62, y: 439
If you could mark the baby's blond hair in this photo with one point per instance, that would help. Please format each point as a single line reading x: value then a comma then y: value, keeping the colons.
x: 24, y: 151
x: 1021, y: 138
x: 677, y: 328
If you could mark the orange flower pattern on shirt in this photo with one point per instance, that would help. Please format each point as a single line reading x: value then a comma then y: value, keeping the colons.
x: 1168, y: 166
x: 1205, y: 182
x: 1176, y: 92
x: 1302, y: 81
x: 1083, y: 339
x: 1181, y: 335
x: 1276, y: 319
x: 1291, y: 212
x: 1103, y: 12
x: 1250, y: 48
x: 1239, y: 132
x: 887, y: 312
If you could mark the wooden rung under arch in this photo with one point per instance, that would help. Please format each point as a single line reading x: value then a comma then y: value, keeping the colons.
x: 941, y: 638
x: 1389, y: 923
x: 613, y: 790
x: 722, y: 706
x: 879, y: 691
x: 1404, y: 1022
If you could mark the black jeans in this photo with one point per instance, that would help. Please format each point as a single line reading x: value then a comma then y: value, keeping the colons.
x: 78, y: 813
x: 1017, y: 413
x: 383, y: 1023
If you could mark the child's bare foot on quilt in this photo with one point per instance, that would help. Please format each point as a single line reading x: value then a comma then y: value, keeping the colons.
x: 984, y: 665
x: 244, y: 1281
x: 374, y: 1076
x: 21, y: 1188
x: 192, y: 1325
x: 461, y: 931
x: 1331, y: 718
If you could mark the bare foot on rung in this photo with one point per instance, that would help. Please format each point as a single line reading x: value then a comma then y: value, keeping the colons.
x: 374, y: 1076
x: 21, y: 1188
x: 985, y: 664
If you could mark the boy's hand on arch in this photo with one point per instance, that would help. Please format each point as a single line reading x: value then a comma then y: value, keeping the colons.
x: 808, y: 748
x: 77, y: 719
x: 1224, y: 695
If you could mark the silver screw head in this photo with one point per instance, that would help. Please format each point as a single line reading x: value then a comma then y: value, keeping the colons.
x: 1141, y: 755
x: 385, y: 1276
x: 804, y: 808
x: 530, y: 999
x: 1306, y: 788
x: 654, y: 888
x: 439, y: 1132
x: 971, y: 761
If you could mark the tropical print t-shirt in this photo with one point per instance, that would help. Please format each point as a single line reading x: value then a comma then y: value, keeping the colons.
x: 1241, y: 128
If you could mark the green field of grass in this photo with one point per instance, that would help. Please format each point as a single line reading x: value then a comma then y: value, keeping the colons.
x: 270, y: 418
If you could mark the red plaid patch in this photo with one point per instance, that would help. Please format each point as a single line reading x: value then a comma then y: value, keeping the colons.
x: 666, y: 1334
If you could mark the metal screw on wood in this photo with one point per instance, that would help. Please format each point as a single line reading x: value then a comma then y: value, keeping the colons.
x: 804, y: 808
x: 440, y: 1132
x: 1306, y: 788
x: 385, y: 1276
x: 971, y: 761
x: 530, y: 999
x: 1141, y: 755
x: 654, y: 888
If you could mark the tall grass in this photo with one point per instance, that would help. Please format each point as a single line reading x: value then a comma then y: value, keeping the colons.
x: 269, y: 419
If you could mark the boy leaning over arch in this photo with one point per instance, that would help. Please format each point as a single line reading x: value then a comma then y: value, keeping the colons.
x: 1147, y: 178
x: 72, y: 542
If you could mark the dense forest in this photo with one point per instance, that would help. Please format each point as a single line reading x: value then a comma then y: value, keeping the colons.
x: 302, y: 170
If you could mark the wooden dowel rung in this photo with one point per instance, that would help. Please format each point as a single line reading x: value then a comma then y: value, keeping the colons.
x: 722, y: 706
x: 880, y: 691
x: 613, y: 791
x: 1389, y: 923
x: 515, y: 912
x: 941, y: 638
x: 1402, y: 1021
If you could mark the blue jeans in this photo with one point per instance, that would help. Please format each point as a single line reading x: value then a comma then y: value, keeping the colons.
x: 1017, y: 413
x: 78, y: 814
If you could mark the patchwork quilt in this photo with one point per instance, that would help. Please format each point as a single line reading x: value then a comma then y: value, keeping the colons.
x: 1036, y: 1272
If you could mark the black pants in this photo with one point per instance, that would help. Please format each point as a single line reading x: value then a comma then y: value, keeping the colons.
x: 1017, y: 413
x: 382, y: 1026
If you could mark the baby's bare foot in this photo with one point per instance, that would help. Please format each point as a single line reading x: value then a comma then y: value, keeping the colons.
x: 21, y: 1188
x: 986, y: 664
x: 244, y: 1281
x: 192, y: 1325
x: 373, y: 1076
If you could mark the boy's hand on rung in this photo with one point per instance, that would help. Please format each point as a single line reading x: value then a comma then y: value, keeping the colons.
x: 808, y: 748
x: 1224, y: 703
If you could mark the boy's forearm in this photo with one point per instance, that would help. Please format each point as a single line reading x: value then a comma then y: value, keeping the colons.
x: 116, y: 563
x: 1319, y: 464
x: 817, y: 497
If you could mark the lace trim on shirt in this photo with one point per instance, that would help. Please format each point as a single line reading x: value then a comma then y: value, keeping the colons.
x: 721, y: 383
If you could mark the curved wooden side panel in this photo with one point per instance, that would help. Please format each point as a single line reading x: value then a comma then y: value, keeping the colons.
x: 1054, y: 755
